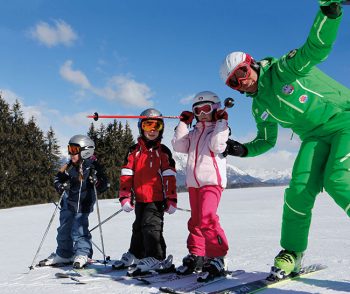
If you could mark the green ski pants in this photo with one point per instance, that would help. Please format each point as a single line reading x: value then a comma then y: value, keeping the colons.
x: 323, y: 161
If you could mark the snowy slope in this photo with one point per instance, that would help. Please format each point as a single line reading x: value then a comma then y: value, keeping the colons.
x: 251, y: 218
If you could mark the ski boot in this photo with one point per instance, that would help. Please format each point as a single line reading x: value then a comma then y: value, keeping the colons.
x: 212, y: 268
x: 285, y: 263
x: 80, y: 261
x: 190, y: 263
x: 128, y: 259
x: 151, y: 264
x: 55, y: 260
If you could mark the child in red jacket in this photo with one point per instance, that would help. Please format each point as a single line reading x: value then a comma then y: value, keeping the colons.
x: 148, y: 178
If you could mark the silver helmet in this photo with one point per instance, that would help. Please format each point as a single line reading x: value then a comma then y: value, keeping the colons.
x: 150, y: 112
x: 87, y: 146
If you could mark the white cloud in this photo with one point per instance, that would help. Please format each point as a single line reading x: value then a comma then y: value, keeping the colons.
x: 74, y: 76
x: 42, y: 113
x: 121, y: 89
x: 10, y: 97
x: 187, y: 100
x: 63, y: 126
x: 127, y: 91
x: 52, y: 35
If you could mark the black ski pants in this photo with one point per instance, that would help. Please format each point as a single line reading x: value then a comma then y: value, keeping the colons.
x: 147, y: 231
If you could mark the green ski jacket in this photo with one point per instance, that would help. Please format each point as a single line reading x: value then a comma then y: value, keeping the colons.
x: 294, y: 93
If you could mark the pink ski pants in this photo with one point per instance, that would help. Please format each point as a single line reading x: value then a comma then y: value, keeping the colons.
x: 206, y: 237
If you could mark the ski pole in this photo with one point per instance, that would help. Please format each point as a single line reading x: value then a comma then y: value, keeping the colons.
x: 107, y: 219
x: 45, y: 234
x: 99, y: 225
x: 108, y: 258
x: 184, y: 209
x: 96, y: 116
x: 229, y: 102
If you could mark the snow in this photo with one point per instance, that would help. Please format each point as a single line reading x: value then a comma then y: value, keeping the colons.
x: 251, y: 218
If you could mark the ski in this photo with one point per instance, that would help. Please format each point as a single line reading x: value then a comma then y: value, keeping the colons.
x: 146, y: 277
x: 258, y: 285
x: 70, y: 276
x: 162, y: 278
x: 189, y: 283
x: 90, y: 272
x: 56, y: 265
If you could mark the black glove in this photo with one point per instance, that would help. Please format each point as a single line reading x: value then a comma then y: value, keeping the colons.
x: 93, y: 176
x: 331, y: 9
x: 235, y: 148
x: 62, y: 187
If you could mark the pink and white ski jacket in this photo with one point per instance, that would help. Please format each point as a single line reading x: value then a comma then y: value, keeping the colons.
x: 204, y: 145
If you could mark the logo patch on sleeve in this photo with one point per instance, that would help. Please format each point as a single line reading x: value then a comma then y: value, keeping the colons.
x: 287, y: 89
x: 264, y: 115
x: 292, y: 53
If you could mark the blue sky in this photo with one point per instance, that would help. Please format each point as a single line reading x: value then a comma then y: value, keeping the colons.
x: 66, y: 59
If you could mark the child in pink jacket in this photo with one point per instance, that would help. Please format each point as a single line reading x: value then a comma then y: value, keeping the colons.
x: 205, y: 179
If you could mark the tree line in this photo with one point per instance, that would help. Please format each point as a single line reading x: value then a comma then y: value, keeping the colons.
x: 30, y: 158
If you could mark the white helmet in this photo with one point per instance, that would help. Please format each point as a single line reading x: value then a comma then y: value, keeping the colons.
x: 231, y: 61
x: 87, y: 146
x: 207, y: 96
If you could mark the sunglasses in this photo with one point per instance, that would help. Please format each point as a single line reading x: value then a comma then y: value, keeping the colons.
x: 205, y: 108
x: 73, y: 149
x: 150, y: 125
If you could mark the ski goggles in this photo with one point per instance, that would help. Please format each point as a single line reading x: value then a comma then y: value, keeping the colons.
x: 73, y: 149
x: 152, y: 125
x: 205, y: 108
x: 240, y: 73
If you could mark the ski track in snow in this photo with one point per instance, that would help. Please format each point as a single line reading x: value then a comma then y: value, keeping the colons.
x: 251, y: 218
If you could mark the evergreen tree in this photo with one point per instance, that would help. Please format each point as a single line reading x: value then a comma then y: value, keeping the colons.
x: 112, y: 143
x: 5, y: 155
x: 53, y: 157
x: 28, y: 159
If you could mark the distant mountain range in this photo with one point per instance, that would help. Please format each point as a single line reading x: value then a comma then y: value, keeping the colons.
x: 237, y: 178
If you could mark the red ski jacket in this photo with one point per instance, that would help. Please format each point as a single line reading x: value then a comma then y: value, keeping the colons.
x: 148, y: 173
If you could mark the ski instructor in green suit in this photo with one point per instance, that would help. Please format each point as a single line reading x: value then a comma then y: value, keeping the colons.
x: 292, y: 92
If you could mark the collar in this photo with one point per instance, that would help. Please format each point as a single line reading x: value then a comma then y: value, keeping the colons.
x: 265, y: 65
x: 148, y: 144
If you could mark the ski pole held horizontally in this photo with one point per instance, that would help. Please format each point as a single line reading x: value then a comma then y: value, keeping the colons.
x: 47, y: 230
x: 229, y: 102
x: 96, y: 116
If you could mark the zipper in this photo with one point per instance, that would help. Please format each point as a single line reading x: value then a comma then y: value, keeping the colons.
x: 196, y: 157
x: 81, y: 184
